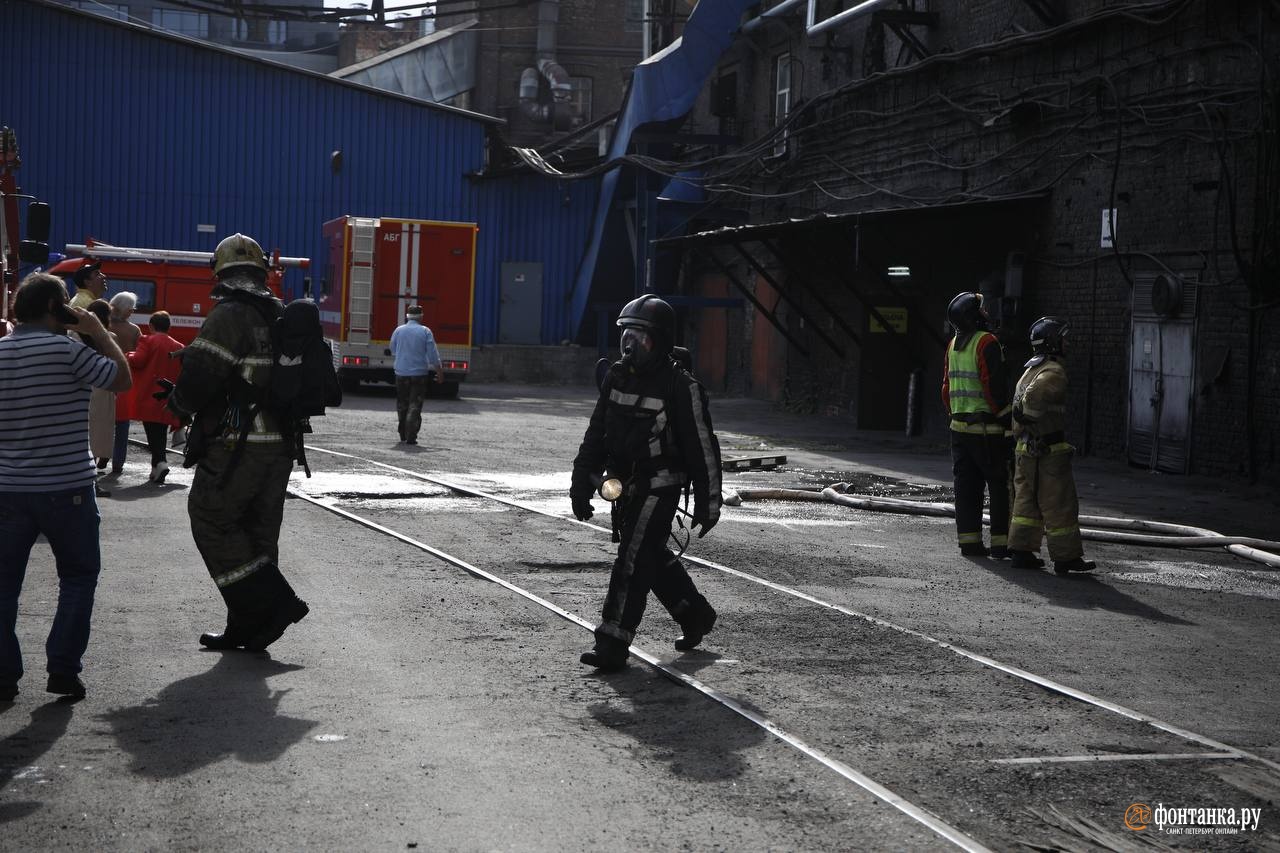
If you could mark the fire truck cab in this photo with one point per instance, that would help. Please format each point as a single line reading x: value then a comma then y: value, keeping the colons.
x: 375, y: 269
x: 170, y: 280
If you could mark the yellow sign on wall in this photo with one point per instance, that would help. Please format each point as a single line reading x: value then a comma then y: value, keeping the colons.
x: 895, y: 317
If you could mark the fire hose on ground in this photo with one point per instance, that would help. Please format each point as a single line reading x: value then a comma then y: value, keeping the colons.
x: 1155, y: 533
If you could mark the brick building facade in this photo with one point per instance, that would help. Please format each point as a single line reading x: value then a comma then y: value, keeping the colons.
x: 597, y: 44
x: 907, y: 154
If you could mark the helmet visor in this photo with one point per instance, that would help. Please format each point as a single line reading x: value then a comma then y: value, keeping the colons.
x: 636, y: 340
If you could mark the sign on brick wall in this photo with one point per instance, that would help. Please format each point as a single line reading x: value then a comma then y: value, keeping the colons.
x: 895, y: 317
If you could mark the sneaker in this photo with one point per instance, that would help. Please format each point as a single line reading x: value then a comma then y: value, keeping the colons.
x: 696, y: 630
x: 65, y: 684
x: 1078, y: 566
x: 159, y: 471
x: 411, y: 441
x: 973, y: 549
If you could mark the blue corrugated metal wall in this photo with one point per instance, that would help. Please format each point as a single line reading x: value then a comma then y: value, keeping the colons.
x: 136, y: 139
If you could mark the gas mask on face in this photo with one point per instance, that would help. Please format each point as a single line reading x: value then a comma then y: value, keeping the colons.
x: 637, y: 347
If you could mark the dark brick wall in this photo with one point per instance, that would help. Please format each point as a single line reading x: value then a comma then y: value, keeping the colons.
x: 1159, y: 117
x: 593, y: 41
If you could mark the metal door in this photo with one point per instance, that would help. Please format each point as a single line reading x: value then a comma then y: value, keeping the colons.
x: 520, y: 314
x: 1162, y: 373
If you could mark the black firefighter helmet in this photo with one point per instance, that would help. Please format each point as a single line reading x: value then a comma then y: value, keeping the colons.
x: 966, y: 312
x: 652, y: 314
x: 1048, y: 336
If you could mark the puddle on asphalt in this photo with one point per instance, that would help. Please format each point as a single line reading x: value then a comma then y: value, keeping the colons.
x: 548, y: 491
x: 386, y: 492
x: 862, y: 483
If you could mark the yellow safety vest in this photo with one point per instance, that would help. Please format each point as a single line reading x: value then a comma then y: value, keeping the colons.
x: 965, y: 391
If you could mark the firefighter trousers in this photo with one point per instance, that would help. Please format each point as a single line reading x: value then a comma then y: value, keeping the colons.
x: 979, y: 462
x: 645, y: 563
x: 235, y: 523
x: 1045, y: 502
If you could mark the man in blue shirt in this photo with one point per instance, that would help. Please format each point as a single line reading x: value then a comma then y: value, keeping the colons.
x: 46, y: 472
x: 417, y: 358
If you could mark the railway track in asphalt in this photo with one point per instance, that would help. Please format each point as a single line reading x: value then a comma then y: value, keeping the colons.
x: 1160, y: 747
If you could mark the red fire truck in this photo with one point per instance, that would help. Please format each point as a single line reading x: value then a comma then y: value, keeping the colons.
x: 378, y: 267
x: 164, y: 280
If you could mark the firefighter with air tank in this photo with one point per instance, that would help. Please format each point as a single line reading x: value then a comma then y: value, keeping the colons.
x: 651, y: 433
x: 1045, y: 501
x: 242, y: 454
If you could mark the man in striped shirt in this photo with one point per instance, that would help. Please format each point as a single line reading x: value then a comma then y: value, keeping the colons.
x: 46, y: 472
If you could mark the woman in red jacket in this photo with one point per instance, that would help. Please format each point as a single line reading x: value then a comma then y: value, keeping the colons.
x: 153, y: 360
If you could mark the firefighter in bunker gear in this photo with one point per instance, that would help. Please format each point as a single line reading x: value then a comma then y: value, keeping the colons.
x: 651, y: 429
x: 236, y: 503
x: 1044, y: 487
x: 975, y: 391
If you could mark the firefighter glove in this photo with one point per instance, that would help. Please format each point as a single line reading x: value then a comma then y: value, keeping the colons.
x: 581, y: 507
x: 166, y: 388
x: 580, y: 492
x: 704, y: 521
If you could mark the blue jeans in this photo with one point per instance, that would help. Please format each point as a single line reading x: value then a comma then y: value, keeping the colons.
x: 69, y: 520
x: 121, y: 446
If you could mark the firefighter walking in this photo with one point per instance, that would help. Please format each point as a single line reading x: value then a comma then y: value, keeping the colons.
x: 651, y: 430
x: 1045, y: 502
x: 242, y: 455
x: 975, y: 391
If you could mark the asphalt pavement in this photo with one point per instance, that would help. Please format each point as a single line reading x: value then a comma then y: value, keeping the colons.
x: 375, y: 724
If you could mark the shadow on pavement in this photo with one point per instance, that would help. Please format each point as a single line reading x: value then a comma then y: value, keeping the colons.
x: 229, y: 711
x: 702, y: 742
x: 19, y: 750
x: 1082, y: 592
x: 144, y: 491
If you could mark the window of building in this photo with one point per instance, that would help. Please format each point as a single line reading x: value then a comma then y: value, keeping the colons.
x: 119, y: 11
x: 184, y: 23
x: 277, y: 32
x: 633, y: 20
x: 580, y: 98
x: 239, y: 29
x: 781, y: 98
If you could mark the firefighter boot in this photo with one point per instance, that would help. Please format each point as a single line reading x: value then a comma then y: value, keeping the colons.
x: 609, y: 654
x: 246, y: 611
x: 235, y: 635
x: 973, y: 549
x: 1077, y: 566
x: 288, y: 610
x: 696, y: 628
x: 1025, y: 560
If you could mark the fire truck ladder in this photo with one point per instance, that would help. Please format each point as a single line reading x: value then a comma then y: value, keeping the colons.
x: 360, y: 298
x: 105, y: 250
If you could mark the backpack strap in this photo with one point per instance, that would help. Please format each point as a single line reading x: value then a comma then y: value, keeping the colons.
x: 267, y: 308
